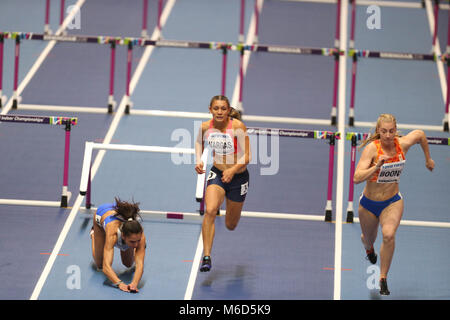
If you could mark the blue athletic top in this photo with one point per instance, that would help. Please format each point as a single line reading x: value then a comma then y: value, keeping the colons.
x: 104, y: 208
x: 101, y: 210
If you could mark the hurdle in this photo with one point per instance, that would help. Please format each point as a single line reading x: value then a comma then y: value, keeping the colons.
x: 307, y: 134
x: 357, y: 136
x: 85, y: 184
x: 226, y: 47
x: 435, y: 56
x: 335, y: 52
x: 68, y: 122
x: 20, y: 36
x: 86, y: 177
x: 132, y: 42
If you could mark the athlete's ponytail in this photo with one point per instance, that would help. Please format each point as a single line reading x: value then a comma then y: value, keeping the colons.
x: 235, y: 114
x: 128, y: 212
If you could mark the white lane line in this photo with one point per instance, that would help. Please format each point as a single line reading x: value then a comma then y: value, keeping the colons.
x: 341, y: 152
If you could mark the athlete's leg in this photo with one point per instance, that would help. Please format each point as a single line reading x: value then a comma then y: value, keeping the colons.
x: 389, y: 221
x: 369, y: 227
x: 233, y: 214
x: 214, y: 197
x: 98, y: 243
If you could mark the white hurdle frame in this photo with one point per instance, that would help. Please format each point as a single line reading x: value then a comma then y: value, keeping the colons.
x: 85, y: 183
x: 199, y: 190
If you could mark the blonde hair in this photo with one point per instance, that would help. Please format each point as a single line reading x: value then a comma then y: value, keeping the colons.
x: 384, y: 117
x: 233, y: 113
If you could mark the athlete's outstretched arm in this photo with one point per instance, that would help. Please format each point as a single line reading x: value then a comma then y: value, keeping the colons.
x: 418, y: 137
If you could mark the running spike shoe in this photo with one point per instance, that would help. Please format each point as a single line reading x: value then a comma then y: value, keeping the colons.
x: 384, y: 291
x: 206, y: 264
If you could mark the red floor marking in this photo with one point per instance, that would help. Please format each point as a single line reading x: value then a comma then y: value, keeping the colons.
x: 333, y: 269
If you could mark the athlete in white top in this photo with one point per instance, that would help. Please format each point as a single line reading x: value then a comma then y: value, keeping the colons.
x: 228, y: 178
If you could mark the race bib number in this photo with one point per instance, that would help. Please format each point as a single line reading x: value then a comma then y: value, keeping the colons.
x: 244, y: 188
x: 211, y: 175
x: 98, y: 220
x: 221, y: 143
x: 390, y: 172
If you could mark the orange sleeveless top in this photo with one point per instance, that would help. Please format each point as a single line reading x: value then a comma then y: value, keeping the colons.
x: 399, y: 156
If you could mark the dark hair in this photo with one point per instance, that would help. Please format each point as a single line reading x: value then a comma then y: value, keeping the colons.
x: 128, y: 212
x: 233, y: 113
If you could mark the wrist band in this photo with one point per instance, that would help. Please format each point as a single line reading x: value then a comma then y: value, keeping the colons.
x: 117, y: 283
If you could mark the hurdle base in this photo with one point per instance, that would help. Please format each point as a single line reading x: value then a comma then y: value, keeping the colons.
x: 351, y: 121
x: 128, y: 107
x: 64, y: 202
x: 47, y: 30
x: 327, y: 215
x: 333, y: 120
x: 111, y: 103
x: 3, y: 100
x: 349, y: 216
x: 446, y: 126
x: 202, y: 212
x: 15, y: 104
x: 65, y: 198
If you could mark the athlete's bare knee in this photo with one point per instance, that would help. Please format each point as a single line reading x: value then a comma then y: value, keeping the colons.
x: 388, y: 236
x: 211, y: 213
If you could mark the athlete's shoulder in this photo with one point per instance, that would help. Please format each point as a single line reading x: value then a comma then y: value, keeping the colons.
x: 206, y: 124
x: 112, y: 224
x: 371, y: 147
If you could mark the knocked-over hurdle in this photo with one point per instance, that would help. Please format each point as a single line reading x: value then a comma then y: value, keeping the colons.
x: 68, y: 122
